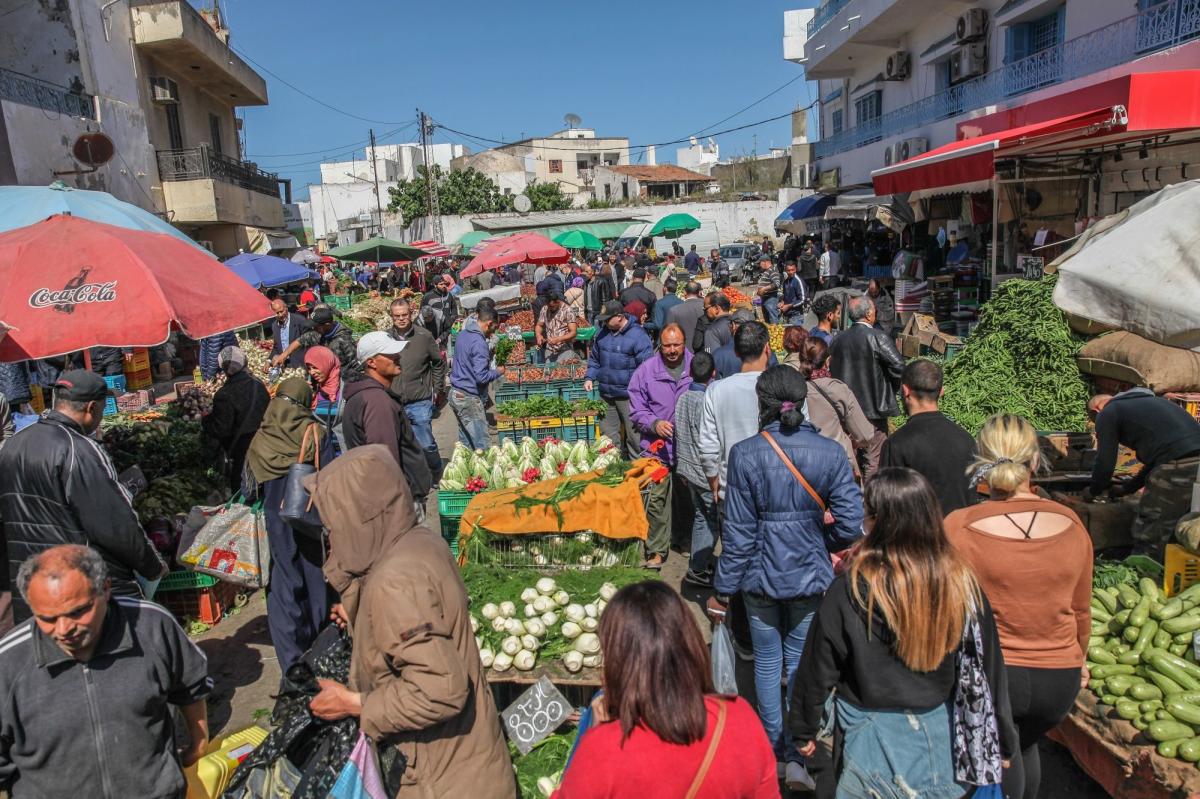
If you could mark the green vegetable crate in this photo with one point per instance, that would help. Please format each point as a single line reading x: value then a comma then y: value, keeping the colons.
x: 451, y: 506
x: 340, y: 302
x: 579, y: 428
x: 570, y: 390
x: 193, y: 595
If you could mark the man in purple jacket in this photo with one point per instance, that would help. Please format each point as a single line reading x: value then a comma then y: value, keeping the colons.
x: 654, y: 389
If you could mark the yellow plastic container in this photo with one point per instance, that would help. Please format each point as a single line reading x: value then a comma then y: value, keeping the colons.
x: 1180, y: 569
x: 210, y: 776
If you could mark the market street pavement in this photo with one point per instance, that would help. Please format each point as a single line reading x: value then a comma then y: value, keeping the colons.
x: 246, y: 674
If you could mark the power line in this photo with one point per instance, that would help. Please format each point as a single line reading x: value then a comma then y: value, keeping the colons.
x: 316, y: 100
x: 747, y: 108
x: 340, y: 148
x: 330, y: 158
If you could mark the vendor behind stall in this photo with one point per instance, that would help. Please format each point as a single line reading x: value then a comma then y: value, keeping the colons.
x: 1167, y: 442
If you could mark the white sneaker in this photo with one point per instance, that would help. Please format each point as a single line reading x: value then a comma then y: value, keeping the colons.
x: 797, y: 778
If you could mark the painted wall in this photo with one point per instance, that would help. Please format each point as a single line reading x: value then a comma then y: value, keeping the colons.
x: 334, y: 201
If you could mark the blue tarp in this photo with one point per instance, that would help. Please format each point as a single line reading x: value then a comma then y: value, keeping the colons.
x: 808, y: 207
x: 264, y: 271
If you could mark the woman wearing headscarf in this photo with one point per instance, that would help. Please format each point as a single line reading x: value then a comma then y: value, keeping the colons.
x: 416, y: 682
x: 325, y: 370
x: 296, y: 604
x: 574, y: 295
x: 237, y: 411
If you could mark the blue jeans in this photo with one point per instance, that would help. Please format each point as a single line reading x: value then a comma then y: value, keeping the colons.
x: 704, y: 527
x: 778, y: 628
x: 896, y: 754
x: 420, y: 416
x: 472, y: 422
x: 771, y: 309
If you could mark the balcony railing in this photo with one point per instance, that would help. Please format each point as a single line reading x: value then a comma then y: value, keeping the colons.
x: 203, y: 162
x: 824, y: 14
x: 1157, y: 28
x: 47, y: 96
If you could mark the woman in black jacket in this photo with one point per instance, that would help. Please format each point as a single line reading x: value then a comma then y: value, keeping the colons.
x: 237, y: 411
x: 888, y: 637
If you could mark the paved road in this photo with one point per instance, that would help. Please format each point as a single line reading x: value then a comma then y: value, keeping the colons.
x: 246, y: 674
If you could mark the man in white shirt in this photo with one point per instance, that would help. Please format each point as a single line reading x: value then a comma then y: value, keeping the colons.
x: 731, y: 405
x: 829, y: 265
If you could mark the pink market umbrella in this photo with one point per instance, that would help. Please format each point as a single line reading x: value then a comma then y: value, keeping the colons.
x: 521, y: 248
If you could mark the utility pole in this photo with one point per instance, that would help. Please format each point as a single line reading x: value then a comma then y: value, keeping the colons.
x: 375, y: 169
x: 431, y: 189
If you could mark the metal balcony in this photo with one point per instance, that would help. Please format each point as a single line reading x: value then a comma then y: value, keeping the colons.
x: 31, y: 91
x: 203, y: 162
x: 824, y: 14
x: 1157, y: 28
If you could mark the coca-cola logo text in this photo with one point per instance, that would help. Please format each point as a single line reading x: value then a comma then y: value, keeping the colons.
x: 77, y: 295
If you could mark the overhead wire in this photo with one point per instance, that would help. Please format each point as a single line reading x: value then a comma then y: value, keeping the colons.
x: 766, y: 96
x: 336, y: 148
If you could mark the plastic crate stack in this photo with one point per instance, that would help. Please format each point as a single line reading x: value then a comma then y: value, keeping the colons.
x: 451, y: 506
x: 137, y: 370
x: 578, y: 428
x: 340, y: 302
x: 193, y: 595
x: 116, y: 383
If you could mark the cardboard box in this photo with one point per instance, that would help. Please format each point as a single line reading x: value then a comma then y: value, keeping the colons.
x: 942, y: 340
x: 909, y: 346
x: 923, y: 327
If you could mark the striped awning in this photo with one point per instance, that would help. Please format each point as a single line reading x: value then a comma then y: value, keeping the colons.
x: 478, y: 248
x: 435, y: 249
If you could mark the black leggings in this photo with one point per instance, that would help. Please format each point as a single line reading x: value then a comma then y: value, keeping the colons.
x: 1040, y: 698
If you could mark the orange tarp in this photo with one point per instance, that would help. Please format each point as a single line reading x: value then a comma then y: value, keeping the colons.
x: 611, y: 511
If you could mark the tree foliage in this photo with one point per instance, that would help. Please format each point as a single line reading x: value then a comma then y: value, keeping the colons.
x: 467, y: 191
x: 547, y: 197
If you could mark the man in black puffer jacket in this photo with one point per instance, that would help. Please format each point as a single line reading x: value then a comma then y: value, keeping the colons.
x: 57, y: 486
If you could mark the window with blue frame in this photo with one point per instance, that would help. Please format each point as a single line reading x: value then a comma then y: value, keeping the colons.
x: 868, y: 107
x: 1030, y: 38
x: 835, y: 122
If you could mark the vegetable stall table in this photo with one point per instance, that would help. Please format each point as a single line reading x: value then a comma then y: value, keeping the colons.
x: 501, y: 295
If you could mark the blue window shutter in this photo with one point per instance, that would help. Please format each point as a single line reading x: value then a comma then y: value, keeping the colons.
x: 1062, y: 23
x: 1016, y: 42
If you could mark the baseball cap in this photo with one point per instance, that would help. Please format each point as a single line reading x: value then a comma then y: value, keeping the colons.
x: 636, y: 308
x: 741, y: 316
x: 81, y: 385
x: 378, y: 343
x: 321, y: 315
x: 611, y: 308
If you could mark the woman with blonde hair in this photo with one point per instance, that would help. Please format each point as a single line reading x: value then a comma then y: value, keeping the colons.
x: 1033, y: 558
x: 892, y: 636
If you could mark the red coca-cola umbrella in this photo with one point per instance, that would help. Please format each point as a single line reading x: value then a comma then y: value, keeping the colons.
x: 70, y: 283
x: 520, y: 248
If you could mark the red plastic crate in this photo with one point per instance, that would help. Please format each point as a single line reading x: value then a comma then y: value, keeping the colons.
x: 208, y: 604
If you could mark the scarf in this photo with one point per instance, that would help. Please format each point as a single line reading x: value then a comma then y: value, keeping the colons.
x: 330, y: 384
x: 276, y: 445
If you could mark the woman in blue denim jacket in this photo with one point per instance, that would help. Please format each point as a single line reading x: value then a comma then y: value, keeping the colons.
x: 779, y: 531
x: 881, y: 667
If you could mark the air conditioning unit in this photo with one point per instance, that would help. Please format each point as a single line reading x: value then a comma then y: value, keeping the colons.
x: 911, y: 148
x: 890, y: 154
x: 165, y: 91
x: 971, y: 26
x: 898, y: 65
x: 968, y: 61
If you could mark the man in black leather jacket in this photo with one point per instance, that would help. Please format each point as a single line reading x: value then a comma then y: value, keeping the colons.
x: 58, y: 486
x: 866, y: 359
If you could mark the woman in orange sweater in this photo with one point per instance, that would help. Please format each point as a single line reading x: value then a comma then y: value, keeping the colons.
x: 1033, y: 558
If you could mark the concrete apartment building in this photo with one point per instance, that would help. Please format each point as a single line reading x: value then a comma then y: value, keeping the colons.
x: 569, y: 158
x: 159, y: 80
x: 920, y: 99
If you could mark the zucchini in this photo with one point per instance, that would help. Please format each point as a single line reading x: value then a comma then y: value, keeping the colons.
x: 1162, y: 639
x: 1187, y: 696
x: 1164, y: 683
x: 1164, y: 730
x: 1191, y: 593
x: 1097, y: 640
x: 1131, y: 658
x: 1189, y: 750
x: 1109, y: 601
x: 1149, y: 588
x: 1119, y: 684
x: 1140, y: 724
x: 1128, y: 597
x: 1164, y: 715
x: 1128, y: 709
x: 1169, y: 748
x: 1182, y: 624
x: 1104, y: 672
x: 1179, y: 650
x: 1097, y: 686
x: 1099, y: 614
x: 1144, y: 691
x: 1109, y: 699
x: 1149, y: 630
x: 1099, y: 655
x: 1169, y: 610
x: 1182, y: 638
x: 1150, y: 706
x: 1141, y: 612
x: 1189, y: 667
x: 1131, y: 634
x: 1182, y: 709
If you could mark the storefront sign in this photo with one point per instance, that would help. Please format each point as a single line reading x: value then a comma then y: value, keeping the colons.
x: 830, y: 179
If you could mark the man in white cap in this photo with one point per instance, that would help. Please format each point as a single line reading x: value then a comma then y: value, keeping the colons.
x: 374, y: 415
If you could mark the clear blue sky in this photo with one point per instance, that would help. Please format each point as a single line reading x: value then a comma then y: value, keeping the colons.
x: 652, y: 70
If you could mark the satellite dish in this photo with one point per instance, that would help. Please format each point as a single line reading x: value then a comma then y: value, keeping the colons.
x: 572, y: 120
x: 522, y: 204
x: 93, y: 149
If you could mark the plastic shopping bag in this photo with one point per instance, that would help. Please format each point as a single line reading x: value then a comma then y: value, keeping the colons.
x: 724, y: 679
x: 360, y: 778
x: 228, y: 542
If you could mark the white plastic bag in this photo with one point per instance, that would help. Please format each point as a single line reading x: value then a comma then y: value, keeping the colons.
x: 229, y: 542
x: 723, y: 662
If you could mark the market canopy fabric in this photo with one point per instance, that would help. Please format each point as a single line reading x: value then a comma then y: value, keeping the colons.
x: 1139, y: 270
x: 21, y: 206
x: 305, y: 256
x: 472, y: 237
x: 70, y: 284
x: 432, y: 248
x: 672, y: 226
x: 265, y: 271
x: 377, y: 248
x: 519, y: 248
x: 792, y: 220
x: 578, y: 240
x: 972, y: 160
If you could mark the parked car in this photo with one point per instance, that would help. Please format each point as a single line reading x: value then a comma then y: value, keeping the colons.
x: 738, y: 255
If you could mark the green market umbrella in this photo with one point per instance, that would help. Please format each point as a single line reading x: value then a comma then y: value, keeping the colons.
x: 673, y: 226
x: 377, y: 248
x: 578, y: 240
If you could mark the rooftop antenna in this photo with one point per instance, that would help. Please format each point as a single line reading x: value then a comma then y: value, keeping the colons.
x: 572, y: 121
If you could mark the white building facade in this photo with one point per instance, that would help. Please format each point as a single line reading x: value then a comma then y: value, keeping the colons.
x: 1109, y: 88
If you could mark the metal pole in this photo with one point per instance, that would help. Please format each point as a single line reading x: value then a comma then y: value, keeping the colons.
x: 375, y: 169
x: 995, y: 227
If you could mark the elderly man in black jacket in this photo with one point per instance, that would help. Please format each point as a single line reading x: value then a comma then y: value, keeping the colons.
x: 866, y: 359
x: 286, y: 329
x: 58, y: 486
x: 237, y: 411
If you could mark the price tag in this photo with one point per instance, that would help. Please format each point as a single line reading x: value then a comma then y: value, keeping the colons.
x: 535, y: 714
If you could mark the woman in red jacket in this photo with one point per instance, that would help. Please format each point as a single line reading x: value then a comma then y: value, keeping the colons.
x: 660, y: 730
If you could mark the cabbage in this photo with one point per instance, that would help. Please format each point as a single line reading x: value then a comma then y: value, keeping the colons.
x: 601, y: 443
x: 548, y: 467
x: 497, y: 479
x: 510, y: 449
x: 529, y: 448
x: 579, y: 456
x: 449, y: 484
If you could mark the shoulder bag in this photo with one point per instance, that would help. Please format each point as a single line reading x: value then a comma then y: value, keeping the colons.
x: 297, y: 507
x: 706, y: 764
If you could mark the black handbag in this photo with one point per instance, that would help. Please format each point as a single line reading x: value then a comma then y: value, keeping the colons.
x: 297, y: 508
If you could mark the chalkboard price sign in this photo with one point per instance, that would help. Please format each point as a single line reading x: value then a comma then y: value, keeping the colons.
x: 535, y: 714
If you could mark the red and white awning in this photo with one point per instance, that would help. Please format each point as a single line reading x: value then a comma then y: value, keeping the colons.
x: 434, y: 249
